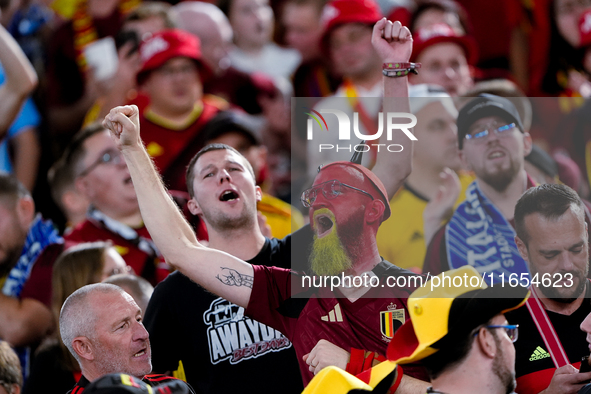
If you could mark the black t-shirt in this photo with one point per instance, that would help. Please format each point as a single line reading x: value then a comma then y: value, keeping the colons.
x: 48, y: 367
x: 533, y: 365
x: 222, y: 351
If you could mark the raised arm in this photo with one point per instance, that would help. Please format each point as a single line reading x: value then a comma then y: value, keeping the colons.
x: 216, y: 271
x: 393, y: 43
x: 21, y: 79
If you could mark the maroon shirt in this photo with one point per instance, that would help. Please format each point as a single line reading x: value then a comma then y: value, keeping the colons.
x: 320, y: 315
x: 154, y: 270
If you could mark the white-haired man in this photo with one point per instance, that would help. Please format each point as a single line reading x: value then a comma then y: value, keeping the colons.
x: 101, y: 325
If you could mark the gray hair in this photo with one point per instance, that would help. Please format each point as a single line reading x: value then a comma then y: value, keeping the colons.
x: 77, y: 317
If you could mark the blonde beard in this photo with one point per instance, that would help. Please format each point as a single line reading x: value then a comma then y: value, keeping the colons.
x: 328, y: 255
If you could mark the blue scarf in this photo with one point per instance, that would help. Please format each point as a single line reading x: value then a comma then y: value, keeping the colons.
x: 479, y: 235
x: 40, y: 235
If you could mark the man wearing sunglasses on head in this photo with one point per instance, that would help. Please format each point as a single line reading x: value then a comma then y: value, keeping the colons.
x: 346, y: 200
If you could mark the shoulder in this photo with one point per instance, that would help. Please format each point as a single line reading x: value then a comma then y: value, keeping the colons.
x: 81, y: 231
x: 157, y: 380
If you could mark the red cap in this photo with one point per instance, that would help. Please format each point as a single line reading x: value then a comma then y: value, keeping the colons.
x: 438, y: 33
x: 168, y: 44
x: 339, y: 12
x: 382, y: 194
x: 585, y: 29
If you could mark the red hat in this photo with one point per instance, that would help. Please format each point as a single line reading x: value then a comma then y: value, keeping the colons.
x: 585, y: 29
x: 167, y: 44
x: 339, y: 12
x: 438, y: 33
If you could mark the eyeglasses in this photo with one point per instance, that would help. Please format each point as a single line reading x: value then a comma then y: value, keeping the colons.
x: 502, y: 131
x: 511, y: 329
x: 117, y: 271
x: 330, y: 190
x: 109, y: 157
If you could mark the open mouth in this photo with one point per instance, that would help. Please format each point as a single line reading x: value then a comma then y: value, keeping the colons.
x: 496, y: 154
x: 140, y: 353
x: 228, y: 195
x: 324, y: 225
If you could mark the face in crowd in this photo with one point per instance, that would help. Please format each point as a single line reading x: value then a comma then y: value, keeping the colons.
x: 445, y: 64
x: 436, y: 127
x: 495, y: 151
x: 103, y: 175
x: 119, y: 342
x: 558, y: 248
x: 340, y: 203
x: 224, y: 190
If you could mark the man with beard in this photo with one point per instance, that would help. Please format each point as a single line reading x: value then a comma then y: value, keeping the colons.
x: 461, y: 334
x: 101, y: 325
x: 493, y: 144
x: 552, y: 238
x: 346, y: 199
x: 28, y: 248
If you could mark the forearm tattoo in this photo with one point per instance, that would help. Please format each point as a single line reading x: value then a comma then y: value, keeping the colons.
x: 231, y: 277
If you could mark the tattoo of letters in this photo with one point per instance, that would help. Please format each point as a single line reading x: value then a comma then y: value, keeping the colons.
x: 231, y: 277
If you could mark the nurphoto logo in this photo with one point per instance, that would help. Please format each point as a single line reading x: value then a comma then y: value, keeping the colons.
x: 344, y: 130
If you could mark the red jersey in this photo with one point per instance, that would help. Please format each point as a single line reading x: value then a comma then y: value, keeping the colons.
x: 368, y: 323
x: 171, y: 148
x: 143, y: 263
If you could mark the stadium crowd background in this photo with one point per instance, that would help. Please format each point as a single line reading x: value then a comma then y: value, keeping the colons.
x: 233, y: 84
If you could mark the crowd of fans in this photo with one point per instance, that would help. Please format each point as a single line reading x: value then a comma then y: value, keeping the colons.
x: 225, y: 72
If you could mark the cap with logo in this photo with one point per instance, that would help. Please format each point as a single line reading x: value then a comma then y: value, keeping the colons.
x: 340, y: 12
x: 168, y: 44
x: 439, y: 33
x: 483, y: 106
x: 444, y: 314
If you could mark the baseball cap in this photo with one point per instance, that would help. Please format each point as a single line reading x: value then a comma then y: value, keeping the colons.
x: 482, y: 106
x: 585, y: 29
x: 444, y: 314
x: 339, y: 12
x: 375, y: 181
x: 228, y: 121
x: 167, y: 44
x: 438, y: 33
x: 424, y: 94
x: 120, y: 383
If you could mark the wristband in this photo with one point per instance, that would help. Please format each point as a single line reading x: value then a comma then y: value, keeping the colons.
x: 399, y: 69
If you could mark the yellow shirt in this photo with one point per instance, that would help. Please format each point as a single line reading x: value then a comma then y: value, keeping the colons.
x: 281, y: 216
x: 401, y: 238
